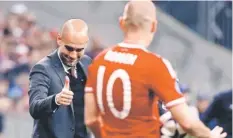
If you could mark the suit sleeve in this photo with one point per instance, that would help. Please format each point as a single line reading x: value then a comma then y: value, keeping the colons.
x: 40, y: 104
x: 164, y: 83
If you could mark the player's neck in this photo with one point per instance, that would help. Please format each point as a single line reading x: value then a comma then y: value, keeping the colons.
x: 135, y: 38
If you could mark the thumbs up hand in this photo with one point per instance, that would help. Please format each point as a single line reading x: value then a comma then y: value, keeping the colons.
x: 65, y: 97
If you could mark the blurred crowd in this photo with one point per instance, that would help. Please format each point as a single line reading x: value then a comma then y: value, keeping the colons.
x: 212, y: 111
x: 22, y: 43
x: 210, y: 19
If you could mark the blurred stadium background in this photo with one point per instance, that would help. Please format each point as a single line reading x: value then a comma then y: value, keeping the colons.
x: 196, y: 36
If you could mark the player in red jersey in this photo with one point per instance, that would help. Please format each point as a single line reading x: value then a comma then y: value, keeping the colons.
x: 126, y: 81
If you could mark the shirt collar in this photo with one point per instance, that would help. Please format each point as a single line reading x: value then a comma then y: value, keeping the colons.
x: 66, y: 68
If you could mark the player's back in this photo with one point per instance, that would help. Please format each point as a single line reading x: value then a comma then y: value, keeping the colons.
x: 123, y: 95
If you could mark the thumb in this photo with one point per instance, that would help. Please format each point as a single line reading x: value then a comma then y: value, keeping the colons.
x: 67, y: 83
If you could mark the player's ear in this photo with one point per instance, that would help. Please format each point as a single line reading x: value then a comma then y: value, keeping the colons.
x: 122, y: 23
x: 154, y: 26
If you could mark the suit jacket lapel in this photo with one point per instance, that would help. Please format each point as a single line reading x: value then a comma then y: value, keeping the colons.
x: 57, y: 65
x: 59, y: 68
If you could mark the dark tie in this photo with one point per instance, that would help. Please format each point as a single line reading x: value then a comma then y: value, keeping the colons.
x: 73, y: 72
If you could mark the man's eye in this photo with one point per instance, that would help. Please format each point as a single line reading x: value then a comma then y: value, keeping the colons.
x: 69, y: 48
x: 79, y: 50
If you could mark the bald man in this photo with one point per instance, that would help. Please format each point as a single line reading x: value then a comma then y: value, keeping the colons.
x: 126, y: 81
x: 57, y: 86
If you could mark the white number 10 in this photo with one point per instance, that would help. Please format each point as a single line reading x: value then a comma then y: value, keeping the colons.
x: 124, y: 76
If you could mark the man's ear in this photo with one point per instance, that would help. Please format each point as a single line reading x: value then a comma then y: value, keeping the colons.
x: 122, y: 23
x: 154, y: 26
x: 59, y: 41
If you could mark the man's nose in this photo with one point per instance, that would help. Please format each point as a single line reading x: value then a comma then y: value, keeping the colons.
x: 73, y: 55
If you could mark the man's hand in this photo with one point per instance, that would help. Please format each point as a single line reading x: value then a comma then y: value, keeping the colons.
x: 65, y: 97
x: 217, y: 133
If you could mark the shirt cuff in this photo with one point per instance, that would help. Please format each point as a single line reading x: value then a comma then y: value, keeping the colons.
x: 56, y: 101
x: 55, y: 105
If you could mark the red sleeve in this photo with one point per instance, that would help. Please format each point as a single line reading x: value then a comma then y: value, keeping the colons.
x: 164, y: 83
x: 90, y: 85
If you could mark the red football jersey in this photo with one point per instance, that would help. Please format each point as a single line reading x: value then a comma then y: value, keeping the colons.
x: 128, y: 81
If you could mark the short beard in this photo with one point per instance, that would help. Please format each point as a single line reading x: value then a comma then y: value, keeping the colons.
x: 65, y: 62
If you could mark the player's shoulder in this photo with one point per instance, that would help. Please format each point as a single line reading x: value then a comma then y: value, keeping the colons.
x: 158, y: 59
x: 153, y: 56
x: 99, y: 59
x: 103, y: 53
x: 162, y: 64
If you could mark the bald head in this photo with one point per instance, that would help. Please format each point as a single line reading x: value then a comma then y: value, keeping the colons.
x: 72, y: 41
x: 74, y: 31
x: 139, y: 13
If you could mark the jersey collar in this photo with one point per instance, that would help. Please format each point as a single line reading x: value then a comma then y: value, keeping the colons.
x: 128, y: 45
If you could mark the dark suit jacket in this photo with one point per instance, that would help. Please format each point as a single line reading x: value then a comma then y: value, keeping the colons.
x: 46, y: 80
